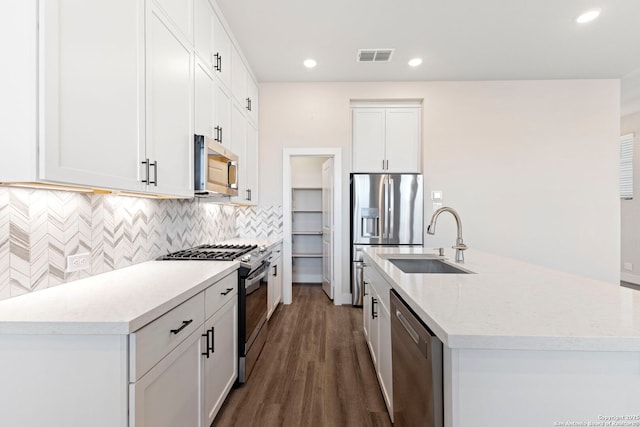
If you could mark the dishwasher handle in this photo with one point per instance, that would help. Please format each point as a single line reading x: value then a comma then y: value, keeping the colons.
x: 418, y: 333
x: 407, y: 327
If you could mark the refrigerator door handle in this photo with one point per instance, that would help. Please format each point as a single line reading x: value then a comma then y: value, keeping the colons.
x: 385, y: 231
x: 391, y: 212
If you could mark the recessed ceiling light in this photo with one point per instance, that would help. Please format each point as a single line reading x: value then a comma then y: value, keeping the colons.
x: 310, y: 63
x: 588, y: 16
x: 415, y: 62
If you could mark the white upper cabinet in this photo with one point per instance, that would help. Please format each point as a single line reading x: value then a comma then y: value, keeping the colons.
x: 109, y: 92
x: 402, y: 140
x: 203, y: 96
x: 386, y: 140
x: 222, y: 52
x: 252, y: 93
x: 368, y: 139
x: 91, y: 96
x: 169, y: 150
x: 222, y: 120
x: 180, y: 14
x: 203, y: 32
x: 251, y: 164
x: 238, y: 78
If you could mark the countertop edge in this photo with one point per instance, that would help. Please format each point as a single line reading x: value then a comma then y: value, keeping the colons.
x: 509, y: 342
x: 111, y: 327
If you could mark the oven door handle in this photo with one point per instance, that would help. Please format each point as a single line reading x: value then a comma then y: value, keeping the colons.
x: 256, y: 278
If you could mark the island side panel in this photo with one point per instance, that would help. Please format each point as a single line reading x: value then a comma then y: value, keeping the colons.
x: 540, y: 388
x: 63, y: 380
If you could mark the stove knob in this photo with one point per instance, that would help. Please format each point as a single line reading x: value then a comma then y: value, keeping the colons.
x: 262, y: 249
x: 245, y: 258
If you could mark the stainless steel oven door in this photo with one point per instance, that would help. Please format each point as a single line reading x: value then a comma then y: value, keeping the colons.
x: 256, y: 303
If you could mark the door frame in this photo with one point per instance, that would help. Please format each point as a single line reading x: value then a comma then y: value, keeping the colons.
x: 287, y: 260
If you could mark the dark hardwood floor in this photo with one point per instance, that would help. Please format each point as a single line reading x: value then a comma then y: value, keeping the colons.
x: 315, y: 370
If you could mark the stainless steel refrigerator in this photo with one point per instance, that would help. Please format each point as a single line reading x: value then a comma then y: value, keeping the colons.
x: 386, y: 210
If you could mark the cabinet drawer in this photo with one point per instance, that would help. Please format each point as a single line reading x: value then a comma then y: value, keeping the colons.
x: 377, y: 282
x: 151, y: 343
x: 220, y: 293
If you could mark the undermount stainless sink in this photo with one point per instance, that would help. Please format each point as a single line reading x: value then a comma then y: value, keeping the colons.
x: 425, y: 266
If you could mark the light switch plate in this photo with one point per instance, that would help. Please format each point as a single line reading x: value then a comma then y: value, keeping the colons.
x: 78, y: 262
x: 628, y: 266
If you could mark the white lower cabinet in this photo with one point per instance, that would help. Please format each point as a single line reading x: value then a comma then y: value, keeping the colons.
x: 220, y: 367
x: 274, y: 291
x: 169, y: 394
x: 157, y: 376
x: 377, y: 330
x: 187, y: 386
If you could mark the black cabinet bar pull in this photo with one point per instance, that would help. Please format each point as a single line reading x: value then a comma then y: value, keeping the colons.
x: 185, y: 323
x: 146, y: 163
x: 155, y: 173
x: 206, y: 353
x: 218, y: 66
x: 213, y: 339
x: 226, y: 292
x: 374, y: 314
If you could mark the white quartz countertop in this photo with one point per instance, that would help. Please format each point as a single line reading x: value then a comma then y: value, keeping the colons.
x: 117, y: 302
x: 510, y: 304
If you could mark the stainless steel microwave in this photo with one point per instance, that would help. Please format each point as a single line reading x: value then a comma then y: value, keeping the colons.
x: 216, y: 169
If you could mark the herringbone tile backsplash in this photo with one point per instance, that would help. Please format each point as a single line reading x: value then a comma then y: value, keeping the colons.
x: 39, y: 229
x: 259, y: 221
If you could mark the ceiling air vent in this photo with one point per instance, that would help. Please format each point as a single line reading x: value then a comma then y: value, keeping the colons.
x: 375, y: 55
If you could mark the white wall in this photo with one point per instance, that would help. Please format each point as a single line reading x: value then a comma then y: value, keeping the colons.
x: 306, y: 171
x: 630, y: 209
x: 530, y: 165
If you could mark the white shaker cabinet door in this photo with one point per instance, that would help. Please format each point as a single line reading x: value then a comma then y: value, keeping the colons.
x: 169, y: 394
x: 222, y: 52
x: 402, y: 134
x: 92, y: 92
x: 169, y: 109
x: 222, y: 116
x: 238, y: 77
x: 274, y: 291
x: 203, y: 105
x: 180, y: 14
x: 220, y: 369
x: 251, y: 165
x: 203, y: 31
x: 368, y: 139
x: 385, y: 377
x: 252, y: 93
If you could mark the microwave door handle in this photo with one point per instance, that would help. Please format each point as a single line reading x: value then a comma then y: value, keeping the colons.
x: 232, y: 164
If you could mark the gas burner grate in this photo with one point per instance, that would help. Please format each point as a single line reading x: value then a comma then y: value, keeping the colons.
x: 215, y: 252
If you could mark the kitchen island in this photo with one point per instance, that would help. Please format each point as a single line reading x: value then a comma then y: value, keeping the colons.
x: 525, y: 345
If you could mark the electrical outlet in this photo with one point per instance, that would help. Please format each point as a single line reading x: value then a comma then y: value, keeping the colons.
x: 628, y: 266
x: 78, y: 262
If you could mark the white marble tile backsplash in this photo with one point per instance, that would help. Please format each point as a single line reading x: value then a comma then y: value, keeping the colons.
x: 40, y: 228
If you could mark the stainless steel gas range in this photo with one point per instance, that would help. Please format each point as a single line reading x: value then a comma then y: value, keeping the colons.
x: 252, y: 294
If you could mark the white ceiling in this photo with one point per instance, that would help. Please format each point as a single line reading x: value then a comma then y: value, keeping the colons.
x: 458, y: 39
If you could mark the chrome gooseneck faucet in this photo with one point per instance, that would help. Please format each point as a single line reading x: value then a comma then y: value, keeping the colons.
x: 460, y: 246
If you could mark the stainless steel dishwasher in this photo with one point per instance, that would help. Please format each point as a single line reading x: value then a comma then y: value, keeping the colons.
x: 417, y: 369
